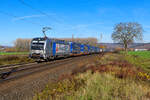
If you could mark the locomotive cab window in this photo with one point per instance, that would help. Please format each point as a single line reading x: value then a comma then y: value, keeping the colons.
x: 37, y: 45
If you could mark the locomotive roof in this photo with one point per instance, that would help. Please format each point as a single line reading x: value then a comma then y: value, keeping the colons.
x: 39, y: 38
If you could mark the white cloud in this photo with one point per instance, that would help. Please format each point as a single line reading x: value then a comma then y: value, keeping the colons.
x: 82, y: 26
x: 27, y: 17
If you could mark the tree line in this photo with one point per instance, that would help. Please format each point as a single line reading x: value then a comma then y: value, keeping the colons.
x: 20, y: 45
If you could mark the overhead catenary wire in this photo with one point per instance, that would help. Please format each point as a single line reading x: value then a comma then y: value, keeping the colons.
x: 37, y: 10
x: 11, y: 15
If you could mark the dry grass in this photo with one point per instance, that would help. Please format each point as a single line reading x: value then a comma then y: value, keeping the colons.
x: 14, y: 59
x: 95, y: 86
x: 111, y: 77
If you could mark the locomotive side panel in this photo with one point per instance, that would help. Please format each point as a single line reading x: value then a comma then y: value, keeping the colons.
x: 62, y: 49
x: 54, y: 49
x: 48, y: 49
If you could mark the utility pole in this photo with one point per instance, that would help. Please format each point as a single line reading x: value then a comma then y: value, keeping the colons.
x: 45, y: 29
x: 101, y: 36
x: 72, y: 37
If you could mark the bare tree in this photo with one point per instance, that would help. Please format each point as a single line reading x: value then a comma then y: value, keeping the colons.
x: 126, y: 33
x: 22, y: 44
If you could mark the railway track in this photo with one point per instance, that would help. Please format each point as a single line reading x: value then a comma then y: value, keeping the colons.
x: 17, y: 71
x: 10, y: 65
x: 6, y: 70
x: 22, y: 84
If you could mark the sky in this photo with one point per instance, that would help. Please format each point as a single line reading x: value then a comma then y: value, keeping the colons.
x: 82, y: 18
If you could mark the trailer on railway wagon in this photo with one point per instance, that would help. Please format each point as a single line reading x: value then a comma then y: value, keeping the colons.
x: 48, y: 49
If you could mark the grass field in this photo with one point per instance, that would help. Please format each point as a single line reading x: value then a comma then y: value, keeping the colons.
x: 111, y: 77
x: 139, y: 58
x: 14, y: 58
x: 143, y: 54
x: 14, y: 53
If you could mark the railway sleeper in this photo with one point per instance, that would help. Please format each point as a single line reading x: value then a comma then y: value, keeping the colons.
x: 4, y: 75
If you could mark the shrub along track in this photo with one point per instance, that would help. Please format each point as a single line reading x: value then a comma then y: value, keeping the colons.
x: 24, y: 82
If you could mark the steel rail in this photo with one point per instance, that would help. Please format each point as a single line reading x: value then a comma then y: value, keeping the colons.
x: 32, y: 66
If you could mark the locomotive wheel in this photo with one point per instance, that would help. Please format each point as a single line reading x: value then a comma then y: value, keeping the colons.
x: 38, y: 61
x: 4, y: 76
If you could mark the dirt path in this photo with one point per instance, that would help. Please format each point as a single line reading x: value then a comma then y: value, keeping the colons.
x: 25, y: 87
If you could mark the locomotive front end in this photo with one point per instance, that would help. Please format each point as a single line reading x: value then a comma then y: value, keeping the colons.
x: 37, y: 50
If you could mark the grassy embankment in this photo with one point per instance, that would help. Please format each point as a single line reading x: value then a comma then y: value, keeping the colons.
x: 14, y: 58
x: 139, y: 59
x: 13, y: 53
x: 142, y: 54
x: 111, y: 77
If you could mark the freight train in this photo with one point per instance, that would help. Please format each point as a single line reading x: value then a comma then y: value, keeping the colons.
x: 48, y: 49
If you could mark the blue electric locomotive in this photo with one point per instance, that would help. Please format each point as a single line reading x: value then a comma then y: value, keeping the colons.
x: 47, y: 48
